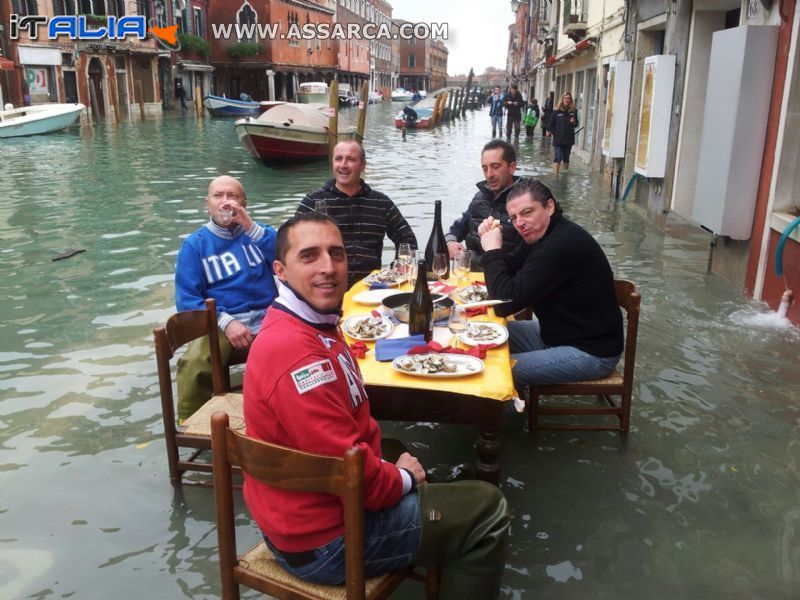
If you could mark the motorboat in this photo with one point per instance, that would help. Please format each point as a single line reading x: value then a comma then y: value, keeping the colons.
x: 401, y: 95
x: 375, y: 97
x: 39, y: 118
x: 220, y: 106
x: 419, y: 115
x: 313, y: 92
x: 346, y: 96
x: 289, y: 131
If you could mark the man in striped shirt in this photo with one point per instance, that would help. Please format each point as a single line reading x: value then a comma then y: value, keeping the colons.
x: 364, y: 215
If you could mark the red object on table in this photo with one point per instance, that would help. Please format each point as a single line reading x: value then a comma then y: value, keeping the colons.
x: 478, y: 351
x: 359, y: 349
x: 479, y: 310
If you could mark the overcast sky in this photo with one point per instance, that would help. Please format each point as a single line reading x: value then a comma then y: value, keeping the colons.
x: 478, y: 30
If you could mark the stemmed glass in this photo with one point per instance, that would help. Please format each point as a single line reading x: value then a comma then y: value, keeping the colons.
x: 404, y: 256
x: 440, y: 265
x: 412, y: 268
x: 461, y: 265
x: 458, y: 322
x: 321, y: 206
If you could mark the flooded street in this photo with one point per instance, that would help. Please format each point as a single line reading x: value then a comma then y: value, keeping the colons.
x: 701, y: 501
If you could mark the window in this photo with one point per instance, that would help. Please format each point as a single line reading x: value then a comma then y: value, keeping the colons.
x: 116, y: 8
x: 161, y: 13
x: 247, y: 16
x: 412, y: 61
x: 144, y: 8
x: 25, y: 8
x: 198, y: 22
x: 63, y: 7
x: 294, y: 19
x: 85, y: 7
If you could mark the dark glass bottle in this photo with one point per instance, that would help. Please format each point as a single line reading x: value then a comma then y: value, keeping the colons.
x: 420, y: 308
x: 436, y: 243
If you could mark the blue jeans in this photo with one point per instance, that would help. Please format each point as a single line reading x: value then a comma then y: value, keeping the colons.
x: 497, y: 123
x: 540, y: 364
x: 391, y: 542
x: 562, y: 154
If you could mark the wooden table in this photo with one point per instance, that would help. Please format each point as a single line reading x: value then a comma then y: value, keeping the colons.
x: 478, y: 400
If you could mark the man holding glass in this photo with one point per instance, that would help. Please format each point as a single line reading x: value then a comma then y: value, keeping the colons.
x: 498, y: 161
x: 562, y: 273
x: 228, y: 259
x: 364, y: 215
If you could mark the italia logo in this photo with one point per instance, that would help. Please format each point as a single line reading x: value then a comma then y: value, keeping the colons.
x: 76, y: 27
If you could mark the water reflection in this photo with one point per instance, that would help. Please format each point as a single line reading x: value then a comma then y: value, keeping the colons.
x: 700, y: 501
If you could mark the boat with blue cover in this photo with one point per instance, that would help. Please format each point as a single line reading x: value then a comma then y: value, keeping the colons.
x: 220, y: 106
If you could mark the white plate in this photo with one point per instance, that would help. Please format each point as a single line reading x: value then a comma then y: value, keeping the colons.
x: 400, y: 280
x: 462, y: 290
x: 386, y: 322
x: 461, y: 360
x: 470, y: 341
x: 373, y: 297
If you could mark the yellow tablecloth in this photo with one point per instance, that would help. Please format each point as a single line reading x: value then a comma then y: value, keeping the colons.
x: 495, y: 382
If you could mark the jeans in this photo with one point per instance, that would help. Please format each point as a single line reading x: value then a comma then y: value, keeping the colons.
x: 513, y: 123
x: 540, y: 364
x: 562, y: 154
x: 391, y: 542
x: 497, y: 124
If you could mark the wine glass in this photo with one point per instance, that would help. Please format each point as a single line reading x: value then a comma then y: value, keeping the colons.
x: 412, y: 267
x: 461, y: 265
x: 458, y: 322
x: 404, y: 256
x: 440, y: 265
x: 225, y: 215
x: 321, y: 206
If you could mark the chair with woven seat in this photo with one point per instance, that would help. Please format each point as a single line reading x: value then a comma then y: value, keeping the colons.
x: 193, y: 433
x: 617, y: 384
x: 297, y: 471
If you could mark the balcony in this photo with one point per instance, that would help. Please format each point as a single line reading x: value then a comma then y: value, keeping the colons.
x: 574, y: 22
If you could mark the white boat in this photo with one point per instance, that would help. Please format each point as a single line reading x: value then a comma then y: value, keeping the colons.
x: 220, y: 106
x: 375, y: 97
x: 401, y: 95
x: 289, y: 131
x: 313, y: 92
x: 39, y: 118
x: 346, y: 95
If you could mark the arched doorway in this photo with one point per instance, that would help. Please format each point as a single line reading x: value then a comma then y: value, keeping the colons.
x: 96, y: 98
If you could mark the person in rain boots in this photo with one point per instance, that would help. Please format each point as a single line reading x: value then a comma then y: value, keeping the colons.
x: 303, y: 389
x: 563, y: 123
x: 496, y: 111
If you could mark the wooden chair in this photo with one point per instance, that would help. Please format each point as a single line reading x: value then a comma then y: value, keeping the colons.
x: 616, y: 384
x: 298, y: 471
x: 195, y: 432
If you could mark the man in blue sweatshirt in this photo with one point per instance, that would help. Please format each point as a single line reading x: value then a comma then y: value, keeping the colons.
x: 228, y: 259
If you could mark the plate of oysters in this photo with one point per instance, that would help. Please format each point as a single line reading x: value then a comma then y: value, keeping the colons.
x: 367, y: 328
x: 473, y: 293
x: 386, y: 276
x: 484, y: 333
x: 438, y: 366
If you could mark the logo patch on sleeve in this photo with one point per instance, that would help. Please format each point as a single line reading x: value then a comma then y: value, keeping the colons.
x: 314, y: 375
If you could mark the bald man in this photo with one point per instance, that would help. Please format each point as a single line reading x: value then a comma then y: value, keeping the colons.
x: 228, y: 259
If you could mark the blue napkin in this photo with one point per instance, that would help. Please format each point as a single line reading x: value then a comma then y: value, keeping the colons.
x: 387, y: 349
x: 378, y: 286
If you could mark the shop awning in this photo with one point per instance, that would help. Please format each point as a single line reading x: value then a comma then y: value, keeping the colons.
x: 188, y: 65
x: 6, y: 65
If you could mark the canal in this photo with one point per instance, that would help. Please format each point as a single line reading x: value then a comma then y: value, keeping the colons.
x: 701, y: 501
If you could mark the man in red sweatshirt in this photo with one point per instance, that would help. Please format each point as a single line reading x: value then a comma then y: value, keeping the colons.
x: 303, y: 389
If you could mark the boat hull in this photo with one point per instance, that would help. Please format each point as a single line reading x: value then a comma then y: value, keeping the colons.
x: 277, y: 143
x: 228, y: 107
x: 312, y: 98
x: 35, y: 120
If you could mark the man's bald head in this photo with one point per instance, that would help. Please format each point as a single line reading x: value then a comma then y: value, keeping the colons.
x: 227, y: 182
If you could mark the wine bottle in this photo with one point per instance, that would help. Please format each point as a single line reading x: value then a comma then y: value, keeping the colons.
x: 436, y: 243
x: 420, y: 309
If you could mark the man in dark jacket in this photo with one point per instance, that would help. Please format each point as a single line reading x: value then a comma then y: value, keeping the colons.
x: 513, y: 103
x: 363, y: 215
x: 499, y: 161
x: 561, y: 273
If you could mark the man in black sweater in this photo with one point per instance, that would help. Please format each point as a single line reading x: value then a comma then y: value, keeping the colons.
x: 364, y: 215
x: 563, y: 275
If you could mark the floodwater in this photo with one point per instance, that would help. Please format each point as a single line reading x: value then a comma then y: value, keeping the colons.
x: 701, y: 501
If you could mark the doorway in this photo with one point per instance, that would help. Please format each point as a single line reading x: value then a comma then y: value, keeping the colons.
x: 70, y: 87
x: 96, y: 87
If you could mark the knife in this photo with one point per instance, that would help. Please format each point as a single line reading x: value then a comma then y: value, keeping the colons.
x: 484, y: 303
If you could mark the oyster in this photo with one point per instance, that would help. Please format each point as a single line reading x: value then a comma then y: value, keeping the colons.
x: 474, y: 293
x: 483, y: 332
x: 427, y: 364
x: 367, y: 327
x: 387, y: 276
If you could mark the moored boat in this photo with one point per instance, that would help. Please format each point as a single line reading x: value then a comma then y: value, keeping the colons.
x: 375, y: 97
x: 219, y: 106
x: 401, y: 95
x: 288, y: 131
x: 312, y: 92
x: 346, y: 96
x: 39, y: 118
x: 414, y: 117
